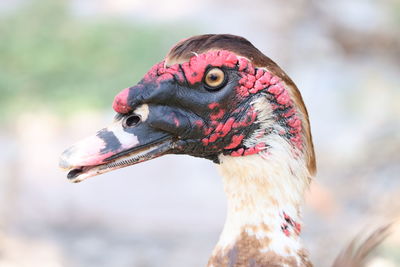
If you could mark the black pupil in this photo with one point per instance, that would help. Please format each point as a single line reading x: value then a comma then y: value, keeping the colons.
x: 213, y: 77
x: 132, y: 120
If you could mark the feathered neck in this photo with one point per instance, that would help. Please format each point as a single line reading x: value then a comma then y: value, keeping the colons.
x: 265, y: 192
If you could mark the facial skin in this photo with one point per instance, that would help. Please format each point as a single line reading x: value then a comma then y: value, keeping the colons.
x: 202, y: 107
x: 206, y: 120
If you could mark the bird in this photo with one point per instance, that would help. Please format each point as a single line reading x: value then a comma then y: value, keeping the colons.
x: 217, y: 97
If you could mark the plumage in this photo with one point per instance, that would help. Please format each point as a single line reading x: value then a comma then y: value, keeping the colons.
x: 220, y: 98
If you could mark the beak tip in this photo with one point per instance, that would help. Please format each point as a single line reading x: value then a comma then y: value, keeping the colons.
x: 64, y: 163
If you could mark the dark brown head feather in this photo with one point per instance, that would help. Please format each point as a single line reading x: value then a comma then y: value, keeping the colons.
x: 186, y: 48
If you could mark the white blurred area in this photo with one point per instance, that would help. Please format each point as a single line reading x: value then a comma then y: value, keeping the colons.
x: 343, y: 55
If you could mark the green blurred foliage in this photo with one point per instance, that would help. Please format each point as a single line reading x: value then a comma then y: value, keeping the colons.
x: 52, y: 59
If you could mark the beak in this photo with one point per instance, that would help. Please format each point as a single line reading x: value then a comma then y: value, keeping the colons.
x: 112, y: 148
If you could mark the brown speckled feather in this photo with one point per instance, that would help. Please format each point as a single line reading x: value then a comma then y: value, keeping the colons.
x: 246, y: 252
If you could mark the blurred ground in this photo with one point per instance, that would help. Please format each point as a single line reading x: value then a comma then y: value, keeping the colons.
x: 62, y: 62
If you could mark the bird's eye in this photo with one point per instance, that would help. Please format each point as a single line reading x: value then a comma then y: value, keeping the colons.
x: 214, y: 78
x: 131, y: 121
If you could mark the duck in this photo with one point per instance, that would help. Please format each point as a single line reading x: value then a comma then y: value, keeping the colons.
x: 217, y: 97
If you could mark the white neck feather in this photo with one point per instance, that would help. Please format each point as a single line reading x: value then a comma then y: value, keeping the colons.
x: 261, y: 189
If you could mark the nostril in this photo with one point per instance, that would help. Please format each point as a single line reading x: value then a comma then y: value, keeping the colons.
x: 131, y: 121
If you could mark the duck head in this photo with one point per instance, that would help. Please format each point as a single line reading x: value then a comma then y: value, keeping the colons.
x: 212, y: 96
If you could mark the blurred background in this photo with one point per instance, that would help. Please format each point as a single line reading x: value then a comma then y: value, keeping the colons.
x: 62, y: 62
